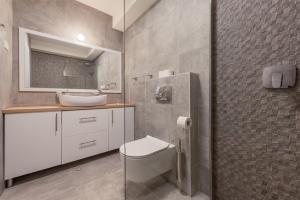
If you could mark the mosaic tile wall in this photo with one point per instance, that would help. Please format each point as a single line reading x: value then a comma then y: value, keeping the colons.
x: 256, y: 130
x: 54, y: 71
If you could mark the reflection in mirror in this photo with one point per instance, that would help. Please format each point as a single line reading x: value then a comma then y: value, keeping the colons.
x: 53, y: 64
x: 53, y: 71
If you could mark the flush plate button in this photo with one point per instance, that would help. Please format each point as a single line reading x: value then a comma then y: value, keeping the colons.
x: 279, y: 76
x: 163, y: 94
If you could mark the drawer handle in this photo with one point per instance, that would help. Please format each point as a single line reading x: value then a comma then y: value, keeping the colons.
x: 112, y: 117
x: 87, y: 119
x: 56, y: 126
x: 87, y: 144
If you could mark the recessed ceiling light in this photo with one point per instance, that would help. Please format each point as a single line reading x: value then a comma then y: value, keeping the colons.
x: 80, y: 37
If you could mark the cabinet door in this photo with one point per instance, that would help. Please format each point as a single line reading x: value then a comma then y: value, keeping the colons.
x: 32, y: 142
x: 117, y: 126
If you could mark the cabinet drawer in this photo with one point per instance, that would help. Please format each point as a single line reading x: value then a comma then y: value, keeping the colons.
x: 84, y: 121
x: 82, y: 146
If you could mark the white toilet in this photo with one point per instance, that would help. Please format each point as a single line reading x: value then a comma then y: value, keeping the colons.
x: 147, y: 158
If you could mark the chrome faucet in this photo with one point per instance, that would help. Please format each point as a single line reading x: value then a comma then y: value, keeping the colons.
x: 109, y: 86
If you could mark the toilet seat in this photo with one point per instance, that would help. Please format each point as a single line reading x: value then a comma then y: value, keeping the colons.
x: 143, y: 147
x: 147, y: 158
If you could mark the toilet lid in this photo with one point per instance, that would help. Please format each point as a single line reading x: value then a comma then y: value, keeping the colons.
x: 143, y: 147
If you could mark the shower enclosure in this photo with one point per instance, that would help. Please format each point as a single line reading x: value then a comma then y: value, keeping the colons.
x: 150, y: 135
x: 167, y: 75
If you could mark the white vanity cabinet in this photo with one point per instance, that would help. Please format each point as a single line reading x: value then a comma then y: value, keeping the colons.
x: 118, y: 125
x: 39, y: 140
x: 32, y: 142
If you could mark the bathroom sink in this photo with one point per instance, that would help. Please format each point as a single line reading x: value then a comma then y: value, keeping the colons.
x: 73, y: 100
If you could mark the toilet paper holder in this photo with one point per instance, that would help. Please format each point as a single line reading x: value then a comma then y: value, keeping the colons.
x: 184, y: 122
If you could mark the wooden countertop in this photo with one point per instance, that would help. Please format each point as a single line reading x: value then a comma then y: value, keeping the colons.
x: 31, y: 109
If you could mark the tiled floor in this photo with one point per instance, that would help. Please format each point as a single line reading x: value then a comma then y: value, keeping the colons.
x: 97, y: 178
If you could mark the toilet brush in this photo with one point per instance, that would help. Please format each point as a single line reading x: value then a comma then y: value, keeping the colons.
x: 179, y: 166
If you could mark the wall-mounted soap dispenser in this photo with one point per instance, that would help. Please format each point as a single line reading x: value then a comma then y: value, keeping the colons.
x: 279, y: 76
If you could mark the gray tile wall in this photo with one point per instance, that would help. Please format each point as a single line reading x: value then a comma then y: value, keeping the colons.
x: 5, y: 71
x: 256, y: 132
x: 173, y: 34
x: 53, y: 71
x: 64, y: 18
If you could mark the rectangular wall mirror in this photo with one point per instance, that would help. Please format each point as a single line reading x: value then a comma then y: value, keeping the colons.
x: 48, y: 63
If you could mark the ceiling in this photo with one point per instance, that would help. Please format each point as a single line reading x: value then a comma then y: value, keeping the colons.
x: 63, y: 48
x: 110, y: 7
x: 115, y: 8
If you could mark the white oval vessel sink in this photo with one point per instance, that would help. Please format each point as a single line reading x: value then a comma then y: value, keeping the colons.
x: 72, y: 100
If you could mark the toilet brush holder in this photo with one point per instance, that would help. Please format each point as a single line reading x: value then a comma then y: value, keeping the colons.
x: 179, y: 166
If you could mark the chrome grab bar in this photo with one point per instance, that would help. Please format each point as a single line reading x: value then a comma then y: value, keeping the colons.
x: 142, y: 76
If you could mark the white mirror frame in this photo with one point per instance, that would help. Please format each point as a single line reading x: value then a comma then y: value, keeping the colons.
x: 24, y: 63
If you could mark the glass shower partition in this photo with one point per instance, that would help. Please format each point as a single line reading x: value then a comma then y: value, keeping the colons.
x: 167, y: 77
